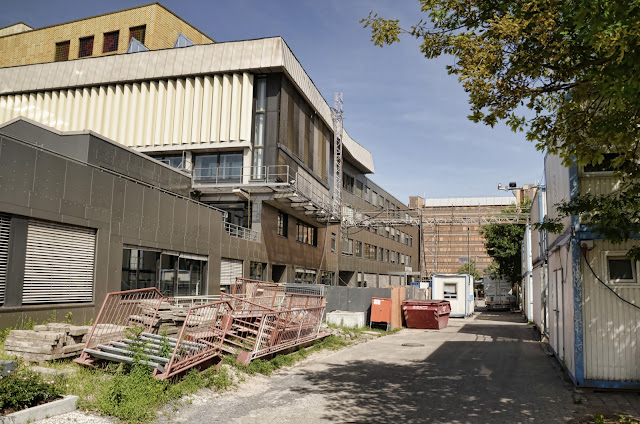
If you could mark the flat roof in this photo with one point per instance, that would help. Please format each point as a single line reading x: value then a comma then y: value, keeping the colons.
x: 470, y: 201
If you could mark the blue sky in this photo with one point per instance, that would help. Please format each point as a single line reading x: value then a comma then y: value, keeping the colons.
x: 403, y: 108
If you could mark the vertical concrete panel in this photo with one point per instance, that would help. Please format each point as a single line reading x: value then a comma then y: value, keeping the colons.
x: 3, y: 109
x: 225, y: 109
x: 39, y: 106
x: 207, y: 103
x: 236, y: 107
x: 159, y: 116
x: 246, y: 108
x: 151, y: 91
x: 216, y: 108
x: 31, y: 109
x: 196, y: 117
x: 169, y: 107
x: 46, y: 107
x: 123, y: 129
x: 84, y: 109
x: 188, y: 109
x: 178, y: 112
x: 75, y: 123
x: 138, y: 112
x: 107, y: 111
x: 68, y: 107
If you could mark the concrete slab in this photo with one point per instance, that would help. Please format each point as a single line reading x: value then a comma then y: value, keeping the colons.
x: 51, y: 409
x: 346, y: 319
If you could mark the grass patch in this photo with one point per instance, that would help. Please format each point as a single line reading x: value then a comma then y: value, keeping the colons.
x: 23, y: 389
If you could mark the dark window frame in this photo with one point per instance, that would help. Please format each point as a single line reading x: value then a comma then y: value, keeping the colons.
x: 283, y: 225
x: 132, y: 33
x: 58, y: 53
x: 85, y: 46
x: 110, y: 44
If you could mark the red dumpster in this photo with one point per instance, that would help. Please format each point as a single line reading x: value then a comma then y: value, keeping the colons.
x: 428, y: 314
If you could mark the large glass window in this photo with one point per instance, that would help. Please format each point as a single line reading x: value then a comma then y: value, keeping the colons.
x: 306, y: 234
x: 326, y: 278
x: 283, y: 224
x: 258, y: 138
x: 359, y: 188
x: 237, y: 212
x: 347, y: 182
x: 175, y: 161
x: 174, y: 274
x: 305, y: 276
x: 347, y: 246
x: 358, y: 249
x: 219, y: 167
x: 256, y: 270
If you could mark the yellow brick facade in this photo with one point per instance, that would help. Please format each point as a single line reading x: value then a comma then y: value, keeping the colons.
x: 38, y: 46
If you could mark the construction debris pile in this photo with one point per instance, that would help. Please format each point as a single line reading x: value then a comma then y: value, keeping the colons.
x: 47, y: 342
x: 257, y: 319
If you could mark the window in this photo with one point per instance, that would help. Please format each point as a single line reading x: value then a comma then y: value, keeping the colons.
x: 347, y: 182
x: 326, y: 278
x: 256, y: 270
x: 621, y: 269
x: 306, y: 234
x: 283, y: 224
x: 381, y: 254
x: 175, y: 161
x: 62, y: 51
x: 258, y: 138
x: 374, y: 198
x: 174, y: 274
x: 402, y: 258
x: 380, y: 200
x: 408, y: 260
x: 347, y: 246
x: 604, y: 166
x: 86, y: 47
x: 386, y: 255
x: 219, y: 167
x: 450, y: 291
x: 359, y: 249
x: 367, y: 194
x: 138, y: 33
x: 305, y: 276
x: 359, y: 188
x: 333, y: 242
x: 237, y: 212
x: 110, y: 42
x: 392, y: 257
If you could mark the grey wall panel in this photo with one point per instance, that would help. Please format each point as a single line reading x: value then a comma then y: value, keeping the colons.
x: 179, y: 222
x: 121, y: 161
x: 48, y: 187
x: 117, y: 207
x: 203, y: 230
x: 150, y: 221
x: 191, y: 236
x: 104, y: 154
x: 149, y: 172
x: 166, y: 218
x: 135, y: 166
x: 77, y: 186
x: 133, y: 197
x: 17, y: 163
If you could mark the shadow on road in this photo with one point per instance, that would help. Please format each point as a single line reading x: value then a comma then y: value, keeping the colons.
x: 461, y: 381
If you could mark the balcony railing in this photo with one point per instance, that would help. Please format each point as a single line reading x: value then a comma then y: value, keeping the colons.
x: 281, y: 178
x: 242, y: 232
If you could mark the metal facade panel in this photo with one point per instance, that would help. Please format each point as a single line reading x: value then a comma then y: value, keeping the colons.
x: 59, y: 265
x: 611, y: 327
x: 5, y: 229
x: 230, y: 269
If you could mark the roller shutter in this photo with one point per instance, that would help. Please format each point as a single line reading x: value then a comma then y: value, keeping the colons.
x: 5, y: 227
x: 59, y: 264
x: 230, y: 269
x: 384, y: 280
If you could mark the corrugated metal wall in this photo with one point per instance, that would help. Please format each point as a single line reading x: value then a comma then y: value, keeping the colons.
x: 611, y: 327
x: 561, y: 323
x: 158, y: 113
x: 538, y: 300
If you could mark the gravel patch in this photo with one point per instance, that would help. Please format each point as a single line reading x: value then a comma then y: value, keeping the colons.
x: 78, y: 417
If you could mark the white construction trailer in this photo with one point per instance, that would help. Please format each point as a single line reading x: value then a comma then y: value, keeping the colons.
x: 457, y: 289
x: 497, y: 293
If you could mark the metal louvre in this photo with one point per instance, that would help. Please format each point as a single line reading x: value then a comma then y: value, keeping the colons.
x: 59, y: 264
x: 230, y: 269
x: 5, y: 228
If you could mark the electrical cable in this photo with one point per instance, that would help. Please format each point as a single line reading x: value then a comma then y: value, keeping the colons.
x: 586, y: 259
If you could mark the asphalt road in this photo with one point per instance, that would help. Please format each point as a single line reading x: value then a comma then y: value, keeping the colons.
x: 486, y: 369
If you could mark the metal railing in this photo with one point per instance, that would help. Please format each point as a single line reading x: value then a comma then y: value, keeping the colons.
x: 281, y: 176
x: 242, y: 232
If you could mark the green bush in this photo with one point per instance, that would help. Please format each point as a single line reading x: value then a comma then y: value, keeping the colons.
x: 23, y: 389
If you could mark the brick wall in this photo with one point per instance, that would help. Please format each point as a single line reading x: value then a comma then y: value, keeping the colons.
x: 38, y: 46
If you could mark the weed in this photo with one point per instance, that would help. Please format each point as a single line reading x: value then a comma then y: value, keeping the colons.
x: 577, y: 399
x: 598, y: 419
x: 23, y: 389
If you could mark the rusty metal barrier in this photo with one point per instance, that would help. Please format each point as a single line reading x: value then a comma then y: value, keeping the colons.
x: 121, y: 311
x: 258, y: 320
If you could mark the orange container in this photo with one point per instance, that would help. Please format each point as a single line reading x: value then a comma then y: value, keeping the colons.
x: 381, y: 311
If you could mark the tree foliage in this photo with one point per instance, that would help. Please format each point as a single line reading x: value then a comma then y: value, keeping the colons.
x: 566, y: 72
x: 504, y: 244
x: 471, y: 269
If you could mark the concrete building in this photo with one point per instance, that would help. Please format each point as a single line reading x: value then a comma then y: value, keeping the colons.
x: 584, y: 289
x: 451, y: 231
x: 245, y: 126
x: 152, y: 25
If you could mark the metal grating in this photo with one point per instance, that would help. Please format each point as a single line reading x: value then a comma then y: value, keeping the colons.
x: 5, y: 229
x: 59, y: 264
